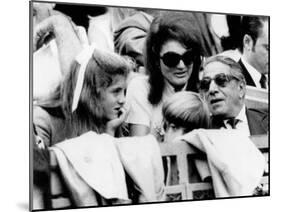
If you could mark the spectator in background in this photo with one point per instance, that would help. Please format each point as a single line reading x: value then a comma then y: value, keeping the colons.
x: 173, y: 51
x: 224, y: 87
x: 130, y: 35
x: 100, y: 22
x: 96, y: 20
x: 255, y: 47
x: 101, y: 28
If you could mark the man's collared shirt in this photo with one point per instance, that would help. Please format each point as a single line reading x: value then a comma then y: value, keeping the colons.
x: 256, y: 76
x: 242, y: 124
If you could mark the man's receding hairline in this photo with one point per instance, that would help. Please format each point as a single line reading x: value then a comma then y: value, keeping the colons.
x: 215, y: 61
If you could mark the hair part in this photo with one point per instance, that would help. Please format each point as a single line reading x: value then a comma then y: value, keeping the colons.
x: 188, y: 110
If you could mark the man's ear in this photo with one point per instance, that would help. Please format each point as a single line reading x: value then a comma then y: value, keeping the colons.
x: 247, y: 43
x: 242, y: 89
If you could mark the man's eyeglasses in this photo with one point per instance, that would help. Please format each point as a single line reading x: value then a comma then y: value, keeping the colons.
x: 220, y: 79
x: 172, y: 59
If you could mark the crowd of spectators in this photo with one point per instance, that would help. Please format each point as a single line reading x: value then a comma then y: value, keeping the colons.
x: 140, y: 76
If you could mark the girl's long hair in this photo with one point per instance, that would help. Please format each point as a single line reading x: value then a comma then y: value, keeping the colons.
x: 100, y: 73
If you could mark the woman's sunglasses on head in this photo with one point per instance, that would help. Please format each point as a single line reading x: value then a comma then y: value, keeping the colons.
x: 172, y: 59
x: 220, y: 79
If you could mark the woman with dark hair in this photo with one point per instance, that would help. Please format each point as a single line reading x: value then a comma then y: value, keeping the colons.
x: 173, y: 53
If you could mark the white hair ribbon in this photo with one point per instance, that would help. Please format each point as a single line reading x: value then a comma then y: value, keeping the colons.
x: 82, y: 58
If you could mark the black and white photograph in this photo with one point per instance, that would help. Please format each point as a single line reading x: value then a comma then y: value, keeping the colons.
x: 139, y: 105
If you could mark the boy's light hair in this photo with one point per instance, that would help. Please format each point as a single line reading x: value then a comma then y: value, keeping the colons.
x: 188, y: 110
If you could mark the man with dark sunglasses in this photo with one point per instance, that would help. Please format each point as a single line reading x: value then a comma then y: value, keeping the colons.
x: 223, y: 87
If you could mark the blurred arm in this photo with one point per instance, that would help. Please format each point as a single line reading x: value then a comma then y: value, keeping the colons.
x: 66, y: 37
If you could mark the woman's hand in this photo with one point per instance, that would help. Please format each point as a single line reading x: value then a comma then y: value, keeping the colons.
x: 113, y: 124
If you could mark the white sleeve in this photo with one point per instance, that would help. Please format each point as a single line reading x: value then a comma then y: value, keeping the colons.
x: 140, y: 110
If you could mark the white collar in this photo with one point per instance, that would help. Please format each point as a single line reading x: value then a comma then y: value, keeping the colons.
x: 242, y: 114
x: 255, y: 74
x: 242, y: 125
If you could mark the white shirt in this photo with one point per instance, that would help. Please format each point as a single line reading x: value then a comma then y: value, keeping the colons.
x: 242, y: 124
x: 255, y: 74
x: 141, y: 111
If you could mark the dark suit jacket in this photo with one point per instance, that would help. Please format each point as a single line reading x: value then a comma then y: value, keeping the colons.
x: 257, y: 121
x: 248, y: 78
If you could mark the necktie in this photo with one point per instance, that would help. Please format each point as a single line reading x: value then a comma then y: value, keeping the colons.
x: 232, y: 122
x: 217, y: 123
x: 263, y: 81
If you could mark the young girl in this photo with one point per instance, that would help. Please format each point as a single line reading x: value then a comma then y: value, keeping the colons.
x: 90, y: 98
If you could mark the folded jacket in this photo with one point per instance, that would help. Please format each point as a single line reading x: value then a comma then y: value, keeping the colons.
x: 95, y: 159
x: 235, y: 163
x: 97, y: 162
x: 142, y: 160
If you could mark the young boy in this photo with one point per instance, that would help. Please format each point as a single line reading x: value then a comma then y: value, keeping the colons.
x: 183, y: 112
